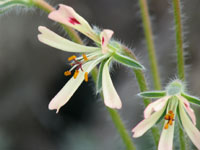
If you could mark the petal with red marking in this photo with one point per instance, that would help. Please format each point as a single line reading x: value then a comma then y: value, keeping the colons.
x: 105, y: 36
x: 68, y: 16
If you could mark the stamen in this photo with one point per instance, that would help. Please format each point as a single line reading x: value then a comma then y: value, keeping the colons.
x: 73, y: 57
x: 67, y: 73
x: 86, y: 76
x: 76, y: 73
x: 85, y: 57
x: 166, y: 126
x: 170, y: 118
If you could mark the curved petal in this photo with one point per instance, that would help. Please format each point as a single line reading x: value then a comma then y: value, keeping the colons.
x: 189, y: 110
x: 68, y: 16
x: 189, y: 127
x: 167, y: 135
x: 52, y: 39
x: 155, y: 106
x: 147, y: 123
x: 70, y: 87
x: 111, y: 98
x: 105, y: 36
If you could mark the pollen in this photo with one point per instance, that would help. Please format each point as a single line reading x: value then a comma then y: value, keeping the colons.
x: 73, y: 57
x: 166, y: 126
x: 67, y: 73
x: 170, y: 118
x: 76, y: 73
x: 85, y: 57
x: 86, y: 77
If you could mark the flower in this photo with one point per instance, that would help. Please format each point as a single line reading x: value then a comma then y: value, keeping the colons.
x: 103, y: 54
x: 173, y: 102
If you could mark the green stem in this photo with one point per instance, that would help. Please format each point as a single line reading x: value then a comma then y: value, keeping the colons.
x: 143, y: 87
x: 113, y: 113
x: 117, y: 120
x: 150, y: 43
x: 179, y: 38
x: 180, y: 57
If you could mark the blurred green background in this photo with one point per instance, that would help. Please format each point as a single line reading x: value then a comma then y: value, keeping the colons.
x: 31, y: 73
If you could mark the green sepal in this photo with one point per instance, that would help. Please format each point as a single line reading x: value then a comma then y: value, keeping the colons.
x: 127, y: 61
x: 152, y: 94
x: 99, y: 77
x: 192, y: 99
x: 7, y: 4
x: 178, y: 114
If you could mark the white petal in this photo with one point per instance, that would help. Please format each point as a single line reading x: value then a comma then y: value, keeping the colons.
x: 166, y: 138
x: 66, y: 15
x: 70, y: 87
x: 189, y: 127
x: 147, y: 123
x: 111, y: 98
x: 105, y: 36
x: 189, y: 110
x: 52, y: 39
x: 155, y: 106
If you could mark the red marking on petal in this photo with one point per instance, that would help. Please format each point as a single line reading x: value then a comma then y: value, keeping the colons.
x: 103, y: 40
x: 74, y: 21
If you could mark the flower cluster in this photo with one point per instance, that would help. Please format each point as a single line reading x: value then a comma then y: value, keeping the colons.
x: 105, y: 51
x: 173, y: 102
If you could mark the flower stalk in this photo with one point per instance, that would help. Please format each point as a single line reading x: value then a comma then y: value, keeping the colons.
x: 180, y: 56
x: 150, y: 43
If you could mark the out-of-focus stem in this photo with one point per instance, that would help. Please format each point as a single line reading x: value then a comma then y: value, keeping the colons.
x: 150, y: 43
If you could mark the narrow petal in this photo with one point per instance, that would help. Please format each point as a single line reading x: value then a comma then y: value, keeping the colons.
x: 105, y: 36
x: 189, y: 110
x: 111, y: 98
x: 147, y: 123
x: 70, y: 87
x: 189, y: 127
x: 68, y: 16
x: 167, y: 135
x: 52, y: 39
x: 155, y: 106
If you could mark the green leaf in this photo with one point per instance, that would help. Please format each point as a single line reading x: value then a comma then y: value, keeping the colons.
x: 192, y: 99
x: 152, y: 94
x: 127, y: 61
x: 7, y: 4
x: 99, y: 77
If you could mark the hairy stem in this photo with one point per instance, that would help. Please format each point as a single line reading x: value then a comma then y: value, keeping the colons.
x: 117, y: 120
x: 180, y: 57
x: 150, y: 43
x: 179, y: 38
x: 143, y: 87
x: 113, y: 113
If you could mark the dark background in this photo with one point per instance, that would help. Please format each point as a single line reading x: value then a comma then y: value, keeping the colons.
x: 31, y: 73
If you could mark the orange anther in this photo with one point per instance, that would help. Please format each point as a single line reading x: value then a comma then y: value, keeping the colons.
x: 86, y: 77
x: 170, y: 112
x: 170, y: 122
x: 166, y: 126
x: 171, y: 117
x: 167, y: 117
x: 67, y: 73
x: 85, y: 57
x: 72, y: 58
x: 76, y: 74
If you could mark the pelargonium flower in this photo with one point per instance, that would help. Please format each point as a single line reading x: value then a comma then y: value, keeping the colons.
x: 105, y: 51
x: 173, y: 102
